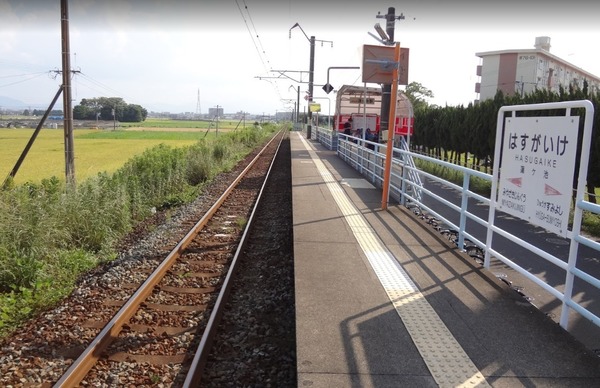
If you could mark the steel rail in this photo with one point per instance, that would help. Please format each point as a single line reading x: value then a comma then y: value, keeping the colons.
x: 194, y: 374
x: 88, y: 358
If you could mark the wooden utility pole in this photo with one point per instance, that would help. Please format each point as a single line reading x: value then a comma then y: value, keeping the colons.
x: 67, y: 111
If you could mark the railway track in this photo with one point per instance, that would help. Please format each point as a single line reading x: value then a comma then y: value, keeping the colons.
x: 179, y: 304
x: 165, y: 314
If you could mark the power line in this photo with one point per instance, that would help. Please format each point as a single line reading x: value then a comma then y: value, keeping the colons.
x: 108, y: 88
x: 34, y: 75
x: 23, y: 75
x: 91, y: 87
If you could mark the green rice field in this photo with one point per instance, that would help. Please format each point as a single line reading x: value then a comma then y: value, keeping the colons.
x: 188, y: 124
x: 95, y: 150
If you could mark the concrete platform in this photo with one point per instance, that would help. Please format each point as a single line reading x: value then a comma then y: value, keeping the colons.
x: 382, y: 300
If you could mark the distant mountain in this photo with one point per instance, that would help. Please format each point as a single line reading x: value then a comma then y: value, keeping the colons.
x: 8, y: 104
x: 11, y: 103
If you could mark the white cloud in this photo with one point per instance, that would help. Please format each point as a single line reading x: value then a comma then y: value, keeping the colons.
x: 159, y: 54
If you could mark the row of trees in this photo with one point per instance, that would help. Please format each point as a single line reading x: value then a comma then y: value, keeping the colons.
x: 109, y: 108
x: 451, y: 131
x: 40, y: 112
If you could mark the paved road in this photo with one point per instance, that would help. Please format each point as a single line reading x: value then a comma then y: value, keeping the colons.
x: 588, y: 261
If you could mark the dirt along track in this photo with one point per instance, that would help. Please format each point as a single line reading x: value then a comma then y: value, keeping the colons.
x: 256, y: 343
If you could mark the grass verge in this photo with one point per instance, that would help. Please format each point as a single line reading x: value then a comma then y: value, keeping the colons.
x: 50, y: 236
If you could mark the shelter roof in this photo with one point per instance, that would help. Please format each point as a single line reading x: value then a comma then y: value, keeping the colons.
x: 361, y: 99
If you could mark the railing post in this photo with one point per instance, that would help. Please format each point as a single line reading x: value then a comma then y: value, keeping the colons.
x: 404, y: 177
x: 463, y: 211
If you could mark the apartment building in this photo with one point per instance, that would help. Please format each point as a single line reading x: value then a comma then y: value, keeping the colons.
x: 523, y: 71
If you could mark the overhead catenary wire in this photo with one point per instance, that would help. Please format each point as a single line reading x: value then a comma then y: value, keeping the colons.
x: 256, y: 41
x: 253, y: 36
x: 262, y: 49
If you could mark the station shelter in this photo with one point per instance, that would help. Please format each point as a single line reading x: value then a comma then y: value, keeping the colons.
x: 363, y: 105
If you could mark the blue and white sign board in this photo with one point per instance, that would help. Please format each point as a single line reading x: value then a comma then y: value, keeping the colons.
x: 538, y: 164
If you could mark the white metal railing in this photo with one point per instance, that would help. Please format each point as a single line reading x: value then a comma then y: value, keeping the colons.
x: 463, y: 213
x: 327, y: 137
x: 369, y: 159
x: 413, y: 175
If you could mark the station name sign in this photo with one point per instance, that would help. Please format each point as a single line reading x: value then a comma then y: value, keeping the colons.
x: 538, y: 166
x: 360, y: 100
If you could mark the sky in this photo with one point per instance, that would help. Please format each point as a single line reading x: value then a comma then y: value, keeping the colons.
x: 243, y: 55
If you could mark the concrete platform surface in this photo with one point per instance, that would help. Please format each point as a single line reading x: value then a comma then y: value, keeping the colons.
x: 383, y: 300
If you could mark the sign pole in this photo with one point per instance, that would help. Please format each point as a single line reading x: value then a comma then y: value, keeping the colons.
x: 391, y: 128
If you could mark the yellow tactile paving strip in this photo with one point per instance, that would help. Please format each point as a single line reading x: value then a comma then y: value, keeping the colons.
x: 448, y: 363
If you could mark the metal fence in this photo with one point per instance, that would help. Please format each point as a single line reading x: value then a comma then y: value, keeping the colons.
x: 327, y: 137
x: 464, y: 215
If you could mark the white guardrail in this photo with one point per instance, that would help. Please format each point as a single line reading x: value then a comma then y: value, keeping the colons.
x: 464, y: 214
